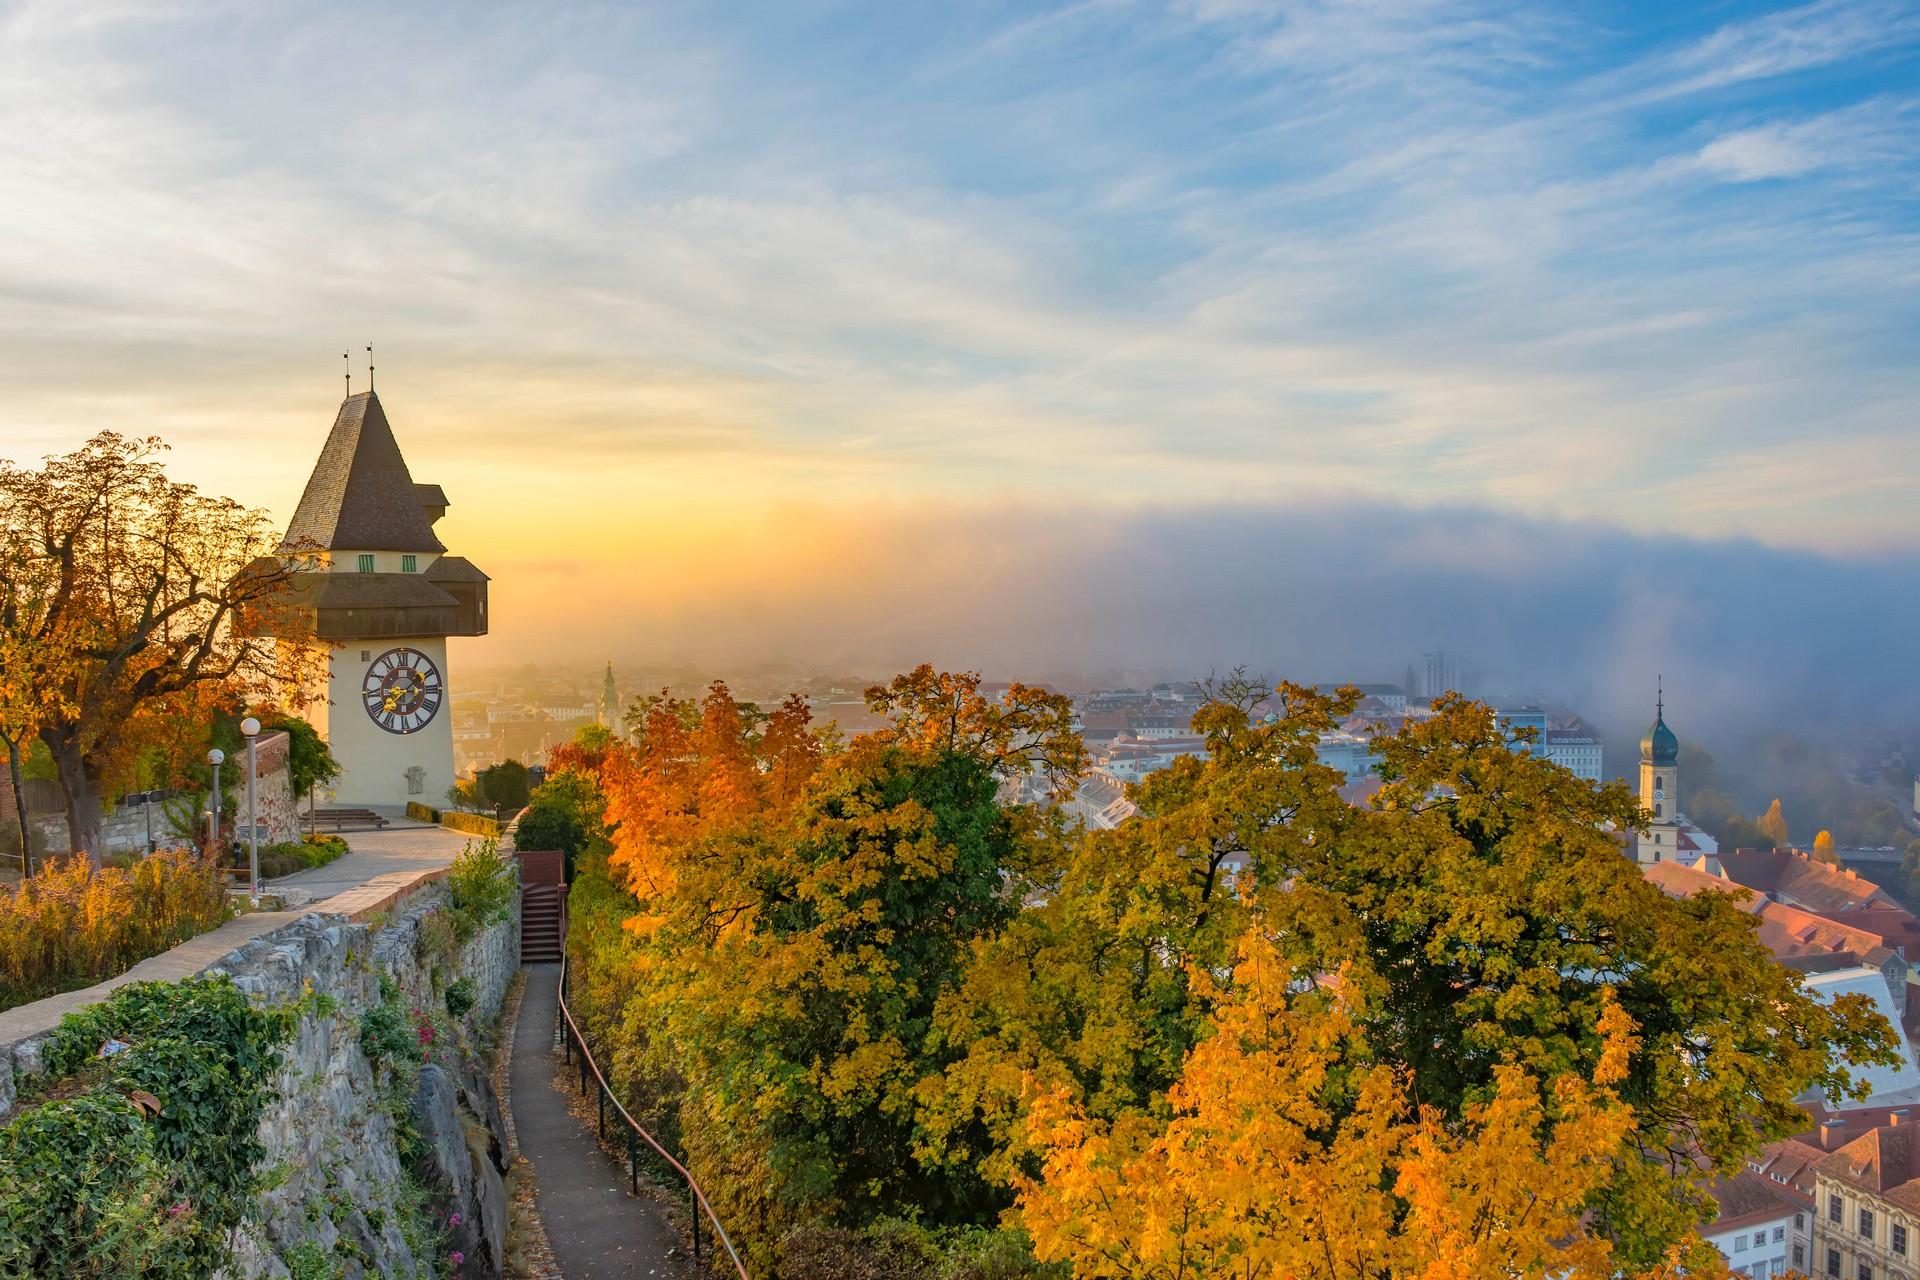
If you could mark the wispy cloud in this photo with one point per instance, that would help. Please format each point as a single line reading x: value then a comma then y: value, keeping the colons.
x: 1783, y: 42
x: 1446, y: 250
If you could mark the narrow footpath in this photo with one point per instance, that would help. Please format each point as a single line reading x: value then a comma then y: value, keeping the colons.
x: 598, y: 1231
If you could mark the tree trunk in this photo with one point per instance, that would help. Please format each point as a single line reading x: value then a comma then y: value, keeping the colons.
x: 85, y: 826
x: 20, y: 806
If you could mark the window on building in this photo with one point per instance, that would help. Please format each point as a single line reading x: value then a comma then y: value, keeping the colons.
x: 1656, y: 808
x: 1899, y: 1238
x: 409, y: 564
x: 1799, y: 1222
x: 1833, y: 1262
x: 1866, y: 1223
x: 1865, y: 1272
x: 1739, y: 1242
x: 1836, y: 1210
x: 1779, y: 1234
x: 1799, y: 1256
x: 366, y: 563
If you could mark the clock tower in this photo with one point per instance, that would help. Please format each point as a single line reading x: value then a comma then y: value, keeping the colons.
x: 1660, y: 788
x: 383, y: 595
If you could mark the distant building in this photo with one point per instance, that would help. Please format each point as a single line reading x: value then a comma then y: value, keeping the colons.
x: 1101, y: 801
x: 1442, y: 674
x: 1157, y: 723
x: 1579, y: 753
x: 1811, y: 941
x: 1527, y: 717
x: 1099, y: 727
x: 1350, y: 753
x: 1659, y: 788
x: 609, y: 701
x: 1392, y: 695
x: 1756, y: 1218
x: 1867, y: 1204
x: 1129, y: 759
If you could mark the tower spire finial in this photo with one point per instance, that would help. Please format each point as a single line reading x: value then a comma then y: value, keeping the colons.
x: 348, y: 357
x: 1660, y: 697
x: 369, y: 368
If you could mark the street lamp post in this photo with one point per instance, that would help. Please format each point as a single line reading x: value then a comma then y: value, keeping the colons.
x: 250, y: 729
x: 216, y: 758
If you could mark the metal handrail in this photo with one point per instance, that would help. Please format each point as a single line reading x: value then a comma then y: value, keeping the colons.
x: 575, y: 1037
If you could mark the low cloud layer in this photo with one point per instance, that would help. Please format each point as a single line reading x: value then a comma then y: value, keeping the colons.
x: 1748, y: 638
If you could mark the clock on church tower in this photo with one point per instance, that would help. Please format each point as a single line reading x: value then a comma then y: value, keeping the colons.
x: 384, y: 595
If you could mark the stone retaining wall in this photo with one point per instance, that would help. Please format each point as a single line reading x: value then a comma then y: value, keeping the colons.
x: 333, y: 1163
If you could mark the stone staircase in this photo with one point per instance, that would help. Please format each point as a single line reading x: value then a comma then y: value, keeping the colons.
x: 540, y: 940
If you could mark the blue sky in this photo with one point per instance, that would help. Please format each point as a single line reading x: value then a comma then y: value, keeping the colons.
x: 1648, y: 265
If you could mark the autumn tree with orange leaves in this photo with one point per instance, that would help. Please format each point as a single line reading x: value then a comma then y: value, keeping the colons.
x: 147, y: 600
x: 1256, y: 1032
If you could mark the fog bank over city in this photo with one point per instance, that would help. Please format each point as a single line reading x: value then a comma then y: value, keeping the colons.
x: 1748, y: 637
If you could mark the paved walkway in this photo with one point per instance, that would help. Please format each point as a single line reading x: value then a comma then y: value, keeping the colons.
x: 598, y: 1231
x: 404, y: 846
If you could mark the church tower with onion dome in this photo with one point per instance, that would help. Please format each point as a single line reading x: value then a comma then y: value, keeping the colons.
x: 1660, y: 787
x: 383, y: 595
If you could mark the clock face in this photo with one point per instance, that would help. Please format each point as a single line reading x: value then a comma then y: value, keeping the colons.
x: 402, y: 690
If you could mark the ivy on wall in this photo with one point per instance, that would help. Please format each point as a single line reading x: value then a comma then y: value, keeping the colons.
x: 140, y: 1158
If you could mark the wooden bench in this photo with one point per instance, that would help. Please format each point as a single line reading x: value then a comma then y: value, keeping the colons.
x: 347, y: 820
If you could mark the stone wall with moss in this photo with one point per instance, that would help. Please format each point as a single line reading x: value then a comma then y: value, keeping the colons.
x: 380, y: 1154
x: 382, y: 1149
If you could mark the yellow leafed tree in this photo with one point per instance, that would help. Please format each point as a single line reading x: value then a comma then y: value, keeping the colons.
x: 1289, y: 1156
x: 1823, y: 850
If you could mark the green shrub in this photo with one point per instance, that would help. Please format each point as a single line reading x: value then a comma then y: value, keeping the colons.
x: 422, y: 812
x: 480, y: 887
x: 319, y: 850
x: 83, y: 1194
x: 285, y: 857
x: 460, y: 997
x: 565, y: 813
x: 436, y: 946
x: 92, y: 1185
x: 310, y: 1260
x: 473, y: 824
x: 386, y: 1036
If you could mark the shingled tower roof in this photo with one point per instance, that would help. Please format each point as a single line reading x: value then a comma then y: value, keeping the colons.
x: 360, y: 497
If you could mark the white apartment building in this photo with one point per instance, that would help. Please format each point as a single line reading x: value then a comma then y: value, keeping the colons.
x: 1578, y: 753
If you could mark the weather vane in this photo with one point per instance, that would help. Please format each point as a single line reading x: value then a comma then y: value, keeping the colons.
x: 348, y: 357
x: 369, y: 368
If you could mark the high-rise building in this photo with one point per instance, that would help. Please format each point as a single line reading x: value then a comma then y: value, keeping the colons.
x: 384, y: 595
x: 1442, y: 674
